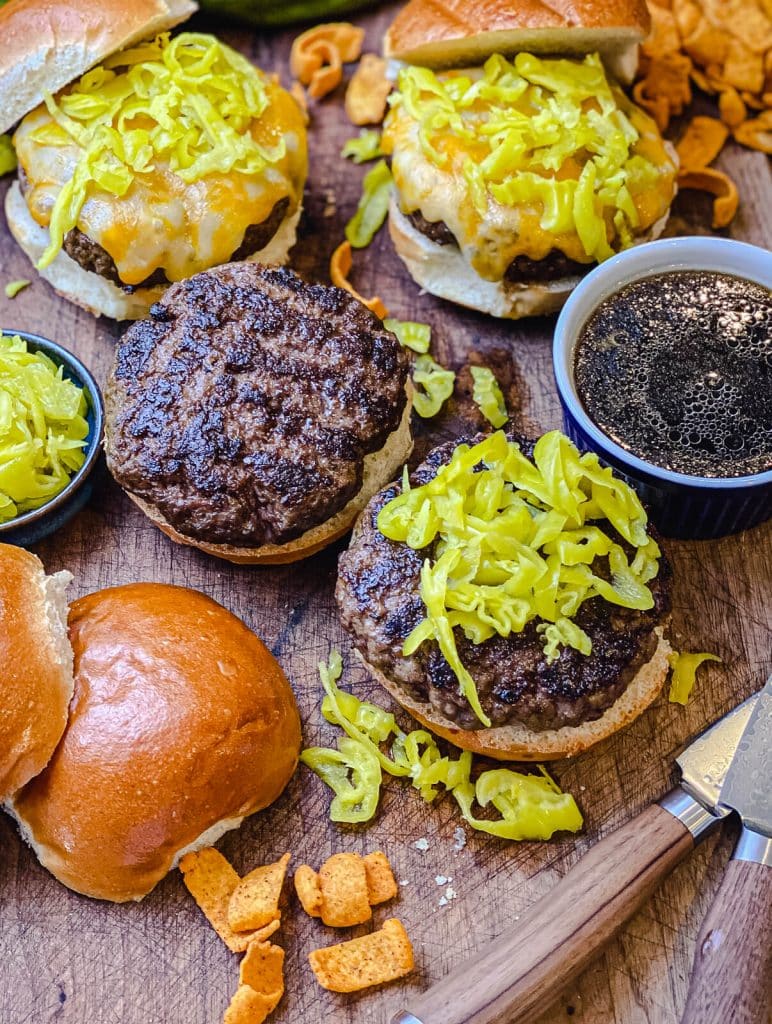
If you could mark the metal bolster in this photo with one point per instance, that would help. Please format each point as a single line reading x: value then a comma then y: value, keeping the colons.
x: 754, y: 847
x: 403, y: 1017
x: 690, y: 812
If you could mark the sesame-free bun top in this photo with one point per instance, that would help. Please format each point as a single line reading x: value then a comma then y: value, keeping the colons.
x: 48, y: 43
x: 454, y: 33
x: 35, y: 666
x: 182, y: 723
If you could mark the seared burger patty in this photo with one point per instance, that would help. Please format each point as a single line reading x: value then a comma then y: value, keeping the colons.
x: 378, y: 593
x: 244, y: 407
x: 91, y: 256
x: 554, y: 266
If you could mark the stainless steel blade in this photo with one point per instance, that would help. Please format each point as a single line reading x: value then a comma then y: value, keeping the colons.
x: 704, y: 763
x: 747, y: 787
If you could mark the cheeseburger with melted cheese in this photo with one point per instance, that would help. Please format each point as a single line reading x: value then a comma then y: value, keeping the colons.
x: 514, y: 177
x: 172, y: 155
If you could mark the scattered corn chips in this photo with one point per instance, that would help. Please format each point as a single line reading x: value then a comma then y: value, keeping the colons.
x: 343, y: 881
x: 308, y: 890
x: 381, y: 885
x: 370, y: 960
x: 368, y: 91
x: 318, y: 55
x: 263, y: 969
x: 725, y: 47
x: 721, y: 186
x: 701, y: 143
x: 211, y: 880
x: 249, y: 1007
x: 340, y: 267
x: 254, y: 902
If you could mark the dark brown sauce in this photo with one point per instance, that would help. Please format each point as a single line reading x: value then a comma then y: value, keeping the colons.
x: 677, y: 369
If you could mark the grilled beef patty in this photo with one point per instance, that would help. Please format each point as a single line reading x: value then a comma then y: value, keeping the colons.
x: 378, y: 593
x: 243, y: 408
x: 522, y: 269
x: 91, y: 256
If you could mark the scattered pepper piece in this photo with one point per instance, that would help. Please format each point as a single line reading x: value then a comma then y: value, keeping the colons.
x: 13, y: 288
x: 684, y: 668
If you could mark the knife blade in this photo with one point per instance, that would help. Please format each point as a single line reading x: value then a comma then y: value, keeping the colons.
x: 733, y: 962
x: 522, y: 971
x: 747, y: 787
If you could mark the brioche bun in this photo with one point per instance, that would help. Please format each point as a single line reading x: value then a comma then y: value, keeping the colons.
x: 95, y: 293
x: 47, y: 43
x: 442, y: 270
x: 518, y: 742
x: 456, y: 33
x: 182, y: 724
x: 35, y: 666
x: 379, y: 468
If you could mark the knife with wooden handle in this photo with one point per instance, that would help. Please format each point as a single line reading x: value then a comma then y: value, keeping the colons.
x: 517, y: 976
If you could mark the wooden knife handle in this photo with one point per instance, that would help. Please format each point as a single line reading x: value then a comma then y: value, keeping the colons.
x: 732, y: 975
x: 518, y: 975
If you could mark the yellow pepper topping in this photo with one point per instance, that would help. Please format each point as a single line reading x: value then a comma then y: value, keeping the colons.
x: 684, y: 675
x: 363, y: 147
x: 13, y: 288
x: 516, y: 540
x: 488, y: 397
x: 373, y: 206
x: 540, y: 132
x: 530, y: 806
x: 42, y: 428
x: 411, y: 334
x: 7, y: 155
x: 189, y: 102
x: 437, y: 384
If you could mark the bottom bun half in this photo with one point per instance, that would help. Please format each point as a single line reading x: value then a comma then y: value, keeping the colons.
x: 182, y: 724
x: 380, y: 468
x: 518, y: 742
x: 92, y: 291
x: 444, y: 271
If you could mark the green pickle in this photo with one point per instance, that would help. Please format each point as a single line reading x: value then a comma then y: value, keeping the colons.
x: 43, y: 428
x: 529, y: 806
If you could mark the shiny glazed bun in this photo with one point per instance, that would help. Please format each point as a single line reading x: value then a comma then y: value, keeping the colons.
x: 35, y: 666
x: 182, y: 723
x: 453, y: 33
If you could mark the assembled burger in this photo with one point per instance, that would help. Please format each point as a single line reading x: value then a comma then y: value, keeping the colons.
x: 170, y: 156
x: 514, y: 177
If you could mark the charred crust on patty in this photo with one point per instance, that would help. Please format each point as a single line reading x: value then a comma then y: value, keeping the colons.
x: 378, y: 594
x: 244, y: 406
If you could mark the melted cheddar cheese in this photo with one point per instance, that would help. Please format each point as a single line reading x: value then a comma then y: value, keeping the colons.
x: 163, y: 222
x: 432, y: 172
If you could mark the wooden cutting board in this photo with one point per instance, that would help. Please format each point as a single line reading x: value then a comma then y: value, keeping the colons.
x: 71, y: 960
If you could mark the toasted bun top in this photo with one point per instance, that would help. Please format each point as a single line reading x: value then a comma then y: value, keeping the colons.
x: 444, y: 33
x: 35, y: 666
x: 48, y: 43
x: 182, y: 723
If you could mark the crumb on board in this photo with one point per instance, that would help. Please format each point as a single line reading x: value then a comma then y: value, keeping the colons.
x: 460, y: 838
x: 422, y: 844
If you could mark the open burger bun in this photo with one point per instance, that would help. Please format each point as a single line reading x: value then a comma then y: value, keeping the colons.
x: 47, y: 43
x: 443, y: 271
x: 457, y: 33
x: 518, y: 742
x: 95, y: 293
x: 379, y: 468
x: 35, y: 666
x: 182, y: 723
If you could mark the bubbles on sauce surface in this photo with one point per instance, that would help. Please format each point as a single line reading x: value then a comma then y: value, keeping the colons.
x: 677, y: 369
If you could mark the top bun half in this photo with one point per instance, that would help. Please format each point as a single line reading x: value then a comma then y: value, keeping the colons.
x: 455, y: 33
x: 48, y: 43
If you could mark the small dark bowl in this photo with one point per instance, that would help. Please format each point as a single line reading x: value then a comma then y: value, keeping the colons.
x: 680, y: 505
x: 33, y: 526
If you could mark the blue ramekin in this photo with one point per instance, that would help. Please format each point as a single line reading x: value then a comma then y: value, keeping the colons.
x: 680, y: 505
x: 33, y: 526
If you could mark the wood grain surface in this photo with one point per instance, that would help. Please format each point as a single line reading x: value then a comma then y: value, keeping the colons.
x: 71, y: 960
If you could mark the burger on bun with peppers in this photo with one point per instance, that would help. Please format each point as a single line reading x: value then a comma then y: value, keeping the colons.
x: 524, y: 166
x: 144, y: 158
